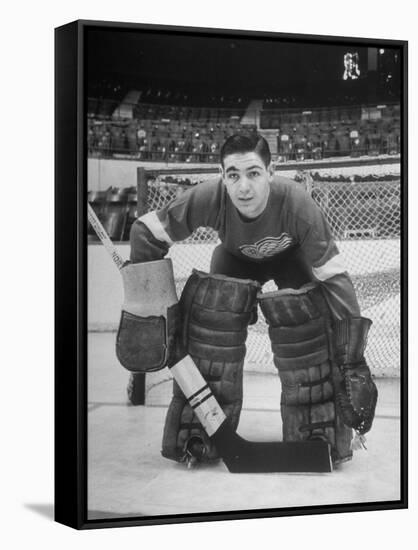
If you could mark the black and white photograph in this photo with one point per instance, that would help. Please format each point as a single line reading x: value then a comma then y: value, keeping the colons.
x: 242, y: 197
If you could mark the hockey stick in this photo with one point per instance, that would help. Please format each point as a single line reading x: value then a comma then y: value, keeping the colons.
x: 238, y: 454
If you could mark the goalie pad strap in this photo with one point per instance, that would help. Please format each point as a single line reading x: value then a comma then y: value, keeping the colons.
x: 200, y: 349
x: 316, y: 425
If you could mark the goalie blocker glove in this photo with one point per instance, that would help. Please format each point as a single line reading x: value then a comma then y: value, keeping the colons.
x: 149, y: 320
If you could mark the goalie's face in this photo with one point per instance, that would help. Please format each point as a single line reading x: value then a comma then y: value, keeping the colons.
x: 247, y: 180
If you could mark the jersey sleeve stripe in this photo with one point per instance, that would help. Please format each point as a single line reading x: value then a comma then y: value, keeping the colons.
x: 332, y: 267
x: 153, y: 223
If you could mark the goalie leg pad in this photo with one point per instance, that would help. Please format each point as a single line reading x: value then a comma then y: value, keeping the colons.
x: 215, y: 313
x: 300, y: 344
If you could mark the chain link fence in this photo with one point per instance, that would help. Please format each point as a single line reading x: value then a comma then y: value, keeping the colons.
x: 365, y: 219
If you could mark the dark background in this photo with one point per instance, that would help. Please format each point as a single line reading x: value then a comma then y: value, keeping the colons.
x: 194, y: 69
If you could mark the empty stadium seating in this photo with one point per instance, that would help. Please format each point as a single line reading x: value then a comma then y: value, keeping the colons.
x: 176, y: 133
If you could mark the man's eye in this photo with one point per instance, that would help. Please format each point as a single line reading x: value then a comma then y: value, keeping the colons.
x: 254, y: 174
x: 233, y: 177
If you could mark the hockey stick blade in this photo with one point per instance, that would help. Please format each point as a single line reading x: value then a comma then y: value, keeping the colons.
x: 241, y: 456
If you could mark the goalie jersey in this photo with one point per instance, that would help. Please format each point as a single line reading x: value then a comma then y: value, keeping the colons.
x: 291, y: 219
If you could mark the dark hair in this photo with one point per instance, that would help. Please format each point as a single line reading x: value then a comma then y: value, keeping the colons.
x: 239, y: 143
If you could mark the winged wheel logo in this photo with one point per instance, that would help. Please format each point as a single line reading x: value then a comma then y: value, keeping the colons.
x: 267, y: 247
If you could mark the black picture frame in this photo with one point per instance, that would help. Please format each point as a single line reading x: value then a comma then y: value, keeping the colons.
x: 71, y: 363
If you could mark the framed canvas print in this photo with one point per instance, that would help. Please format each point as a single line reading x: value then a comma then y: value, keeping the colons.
x: 230, y: 274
